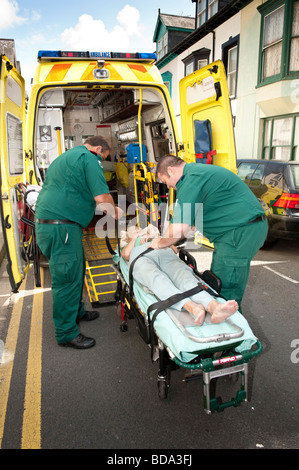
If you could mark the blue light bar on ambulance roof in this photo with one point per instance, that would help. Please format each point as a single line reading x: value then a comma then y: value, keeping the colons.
x: 64, y: 55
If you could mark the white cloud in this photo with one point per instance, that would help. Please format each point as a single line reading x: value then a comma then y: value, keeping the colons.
x: 92, y: 34
x: 9, y: 14
x: 129, y: 17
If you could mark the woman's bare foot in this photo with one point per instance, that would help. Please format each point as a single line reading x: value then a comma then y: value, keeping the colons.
x: 196, y: 310
x: 220, y: 312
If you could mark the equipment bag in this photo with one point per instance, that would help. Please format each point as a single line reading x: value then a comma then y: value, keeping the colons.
x: 203, y: 142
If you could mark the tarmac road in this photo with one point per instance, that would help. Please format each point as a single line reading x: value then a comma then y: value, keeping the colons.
x: 106, y: 397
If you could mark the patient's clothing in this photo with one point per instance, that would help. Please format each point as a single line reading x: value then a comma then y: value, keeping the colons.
x: 165, y: 274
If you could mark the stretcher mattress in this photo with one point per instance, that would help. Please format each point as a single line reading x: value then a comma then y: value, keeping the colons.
x: 183, y: 346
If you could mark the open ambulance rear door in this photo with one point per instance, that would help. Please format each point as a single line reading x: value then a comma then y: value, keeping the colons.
x: 204, y: 96
x: 12, y: 131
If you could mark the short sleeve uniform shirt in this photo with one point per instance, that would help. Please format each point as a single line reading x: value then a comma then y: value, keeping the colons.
x: 72, y: 181
x: 214, y: 199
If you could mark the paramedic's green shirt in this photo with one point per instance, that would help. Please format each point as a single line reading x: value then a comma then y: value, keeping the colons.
x: 72, y: 181
x: 227, y: 202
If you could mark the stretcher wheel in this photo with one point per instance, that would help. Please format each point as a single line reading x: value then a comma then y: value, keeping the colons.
x: 163, y: 386
x: 162, y: 389
x: 123, y: 327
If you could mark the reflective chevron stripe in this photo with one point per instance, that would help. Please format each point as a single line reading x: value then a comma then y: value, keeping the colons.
x: 83, y: 71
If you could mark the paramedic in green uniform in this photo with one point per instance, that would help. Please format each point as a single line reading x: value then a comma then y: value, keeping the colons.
x: 73, y: 187
x: 232, y: 218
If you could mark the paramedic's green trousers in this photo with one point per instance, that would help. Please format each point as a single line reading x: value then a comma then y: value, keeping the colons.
x: 232, y: 256
x: 62, y: 245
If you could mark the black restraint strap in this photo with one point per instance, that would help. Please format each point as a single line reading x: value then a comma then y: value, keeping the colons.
x: 110, y: 249
x: 131, y: 269
x: 163, y: 304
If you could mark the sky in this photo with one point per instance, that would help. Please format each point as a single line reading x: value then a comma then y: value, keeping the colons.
x: 94, y: 25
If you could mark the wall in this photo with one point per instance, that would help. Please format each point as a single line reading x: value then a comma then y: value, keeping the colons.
x: 229, y: 29
x: 256, y: 103
x: 247, y: 113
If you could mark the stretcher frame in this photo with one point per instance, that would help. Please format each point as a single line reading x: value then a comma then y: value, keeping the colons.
x: 31, y: 251
x: 211, y: 365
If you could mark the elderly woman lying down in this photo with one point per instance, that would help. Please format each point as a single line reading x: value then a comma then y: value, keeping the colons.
x: 165, y: 274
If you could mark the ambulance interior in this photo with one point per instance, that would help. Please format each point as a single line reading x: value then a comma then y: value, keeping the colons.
x: 123, y: 116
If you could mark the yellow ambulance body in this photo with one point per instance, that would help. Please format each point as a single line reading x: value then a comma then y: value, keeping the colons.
x: 119, y: 96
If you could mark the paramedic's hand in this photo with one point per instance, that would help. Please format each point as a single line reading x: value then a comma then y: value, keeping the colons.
x: 159, y: 243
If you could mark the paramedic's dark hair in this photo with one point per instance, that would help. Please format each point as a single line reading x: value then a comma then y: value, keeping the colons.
x: 96, y: 141
x: 166, y: 162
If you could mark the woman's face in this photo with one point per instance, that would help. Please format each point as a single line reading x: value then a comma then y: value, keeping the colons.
x: 145, y: 234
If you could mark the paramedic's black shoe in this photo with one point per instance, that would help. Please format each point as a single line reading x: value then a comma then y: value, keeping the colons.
x: 89, y: 316
x: 80, y: 342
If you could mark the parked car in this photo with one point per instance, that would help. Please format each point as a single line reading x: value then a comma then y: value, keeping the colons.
x: 276, y: 185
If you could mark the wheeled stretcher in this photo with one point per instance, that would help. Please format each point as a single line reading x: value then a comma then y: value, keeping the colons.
x: 209, y: 351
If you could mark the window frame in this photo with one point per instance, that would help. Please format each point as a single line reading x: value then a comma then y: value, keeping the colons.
x: 205, y: 13
x: 226, y: 47
x: 195, y: 57
x: 202, y: 13
x: 294, y: 147
x: 284, y: 74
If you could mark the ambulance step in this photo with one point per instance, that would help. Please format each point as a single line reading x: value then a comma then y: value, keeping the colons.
x: 100, y: 278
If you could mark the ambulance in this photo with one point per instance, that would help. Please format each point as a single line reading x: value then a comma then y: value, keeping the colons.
x: 120, y: 96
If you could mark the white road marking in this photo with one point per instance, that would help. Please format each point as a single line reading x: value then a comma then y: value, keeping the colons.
x: 204, y: 259
x: 23, y: 293
x: 282, y: 275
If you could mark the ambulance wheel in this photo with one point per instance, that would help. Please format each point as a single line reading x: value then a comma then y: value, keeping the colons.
x: 162, y: 389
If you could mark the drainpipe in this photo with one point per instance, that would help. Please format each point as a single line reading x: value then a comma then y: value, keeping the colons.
x: 213, y: 46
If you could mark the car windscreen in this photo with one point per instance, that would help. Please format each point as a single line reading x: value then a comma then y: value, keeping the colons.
x: 295, y: 174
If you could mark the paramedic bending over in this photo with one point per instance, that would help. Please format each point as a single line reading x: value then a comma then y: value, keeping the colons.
x: 233, y: 218
x: 165, y: 274
x: 73, y: 186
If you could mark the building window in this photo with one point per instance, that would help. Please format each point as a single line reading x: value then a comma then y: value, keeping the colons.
x: 272, y: 42
x: 232, y: 71
x: 202, y: 63
x: 279, y: 57
x: 294, y: 56
x: 201, y: 12
x: 205, y: 10
x: 159, y: 49
x: 167, y: 80
x: 189, y: 68
x: 196, y: 60
x: 213, y: 8
x: 162, y: 46
x: 280, y: 139
x: 230, y: 60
